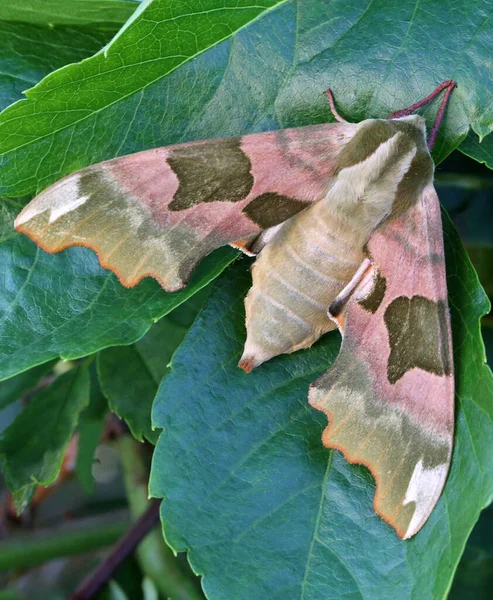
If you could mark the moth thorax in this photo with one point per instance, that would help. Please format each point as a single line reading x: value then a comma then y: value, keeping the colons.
x: 385, y: 163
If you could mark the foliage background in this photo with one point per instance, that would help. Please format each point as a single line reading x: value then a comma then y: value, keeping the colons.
x: 261, y: 507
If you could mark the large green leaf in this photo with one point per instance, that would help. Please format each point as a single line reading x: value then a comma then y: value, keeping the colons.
x: 180, y: 71
x: 480, y: 151
x: 121, y: 95
x: 67, y: 12
x: 262, y: 508
x: 29, y: 52
x: 147, y: 90
x: 474, y: 577
x: 130, y: 375
x: 33, y: 447
x: 72, y: 313
x: 13, y: 389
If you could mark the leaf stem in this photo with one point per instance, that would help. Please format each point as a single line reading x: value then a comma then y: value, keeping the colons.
x: 25, y: 553
x: 156, y: 559
x: 463, y: 181
x: 118, y: 554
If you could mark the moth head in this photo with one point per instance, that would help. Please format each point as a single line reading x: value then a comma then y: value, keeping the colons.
x: 415, y: 121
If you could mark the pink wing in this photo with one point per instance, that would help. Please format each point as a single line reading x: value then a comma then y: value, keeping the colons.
x: 157, y: 213
x: 390, y: 394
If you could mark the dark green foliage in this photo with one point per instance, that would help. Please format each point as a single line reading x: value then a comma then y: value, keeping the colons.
x: 246, y: 480
x: 264, y: 510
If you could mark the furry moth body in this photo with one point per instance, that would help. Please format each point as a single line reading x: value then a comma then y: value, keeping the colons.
x: 340, y: 215
x: 311, y: 257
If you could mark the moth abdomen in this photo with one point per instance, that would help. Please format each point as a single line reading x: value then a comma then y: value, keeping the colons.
x: 295, y: 278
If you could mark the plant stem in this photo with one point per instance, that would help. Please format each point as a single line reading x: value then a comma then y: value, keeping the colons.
x: 156, y: 559
x: 463, y: 181
x: 91, y: 585
x: 29, y: 552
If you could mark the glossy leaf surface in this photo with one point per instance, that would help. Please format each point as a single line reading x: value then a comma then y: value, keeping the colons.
x: 263, y: 509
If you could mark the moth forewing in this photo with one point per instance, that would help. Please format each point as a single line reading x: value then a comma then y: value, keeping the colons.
x: 158, y: 212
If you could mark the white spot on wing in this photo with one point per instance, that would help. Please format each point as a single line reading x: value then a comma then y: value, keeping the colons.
x: 59, y: 211
x: 59, y: 199
x: 424, y: 489
x: 28, y: 213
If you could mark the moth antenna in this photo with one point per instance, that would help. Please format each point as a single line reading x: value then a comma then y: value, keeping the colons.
x: 441, y: 111
x: 332, y: 105
x: 450, y: 84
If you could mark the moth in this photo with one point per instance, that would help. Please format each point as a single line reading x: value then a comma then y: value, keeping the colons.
x: 345, y: 223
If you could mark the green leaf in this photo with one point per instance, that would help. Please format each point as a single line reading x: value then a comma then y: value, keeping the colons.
x: 178, y: 70
x: 90, y: 429
x: 115, y: 592
x: 12, y: 389
x: 480, y: 151
x: 33, y: 447
x: 67, y: 12
x: 181, y: 71
x: 75, y: 308
x: 488, y: 342
x: 29, y: 52
x: 482, y: 259
x: 130, y: 375
x: 107, y: 95
x: 262, y: 508
x: 474, y: 576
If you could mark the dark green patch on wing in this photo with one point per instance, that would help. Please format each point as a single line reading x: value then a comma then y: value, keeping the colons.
x: 383, y: 437
x: 217, y: 171
x: 270, y: 209
x: 375, y: 297
x: 417, y: 329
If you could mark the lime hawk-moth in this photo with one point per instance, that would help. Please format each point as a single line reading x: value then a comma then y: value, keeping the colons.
x: 346, y: 226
